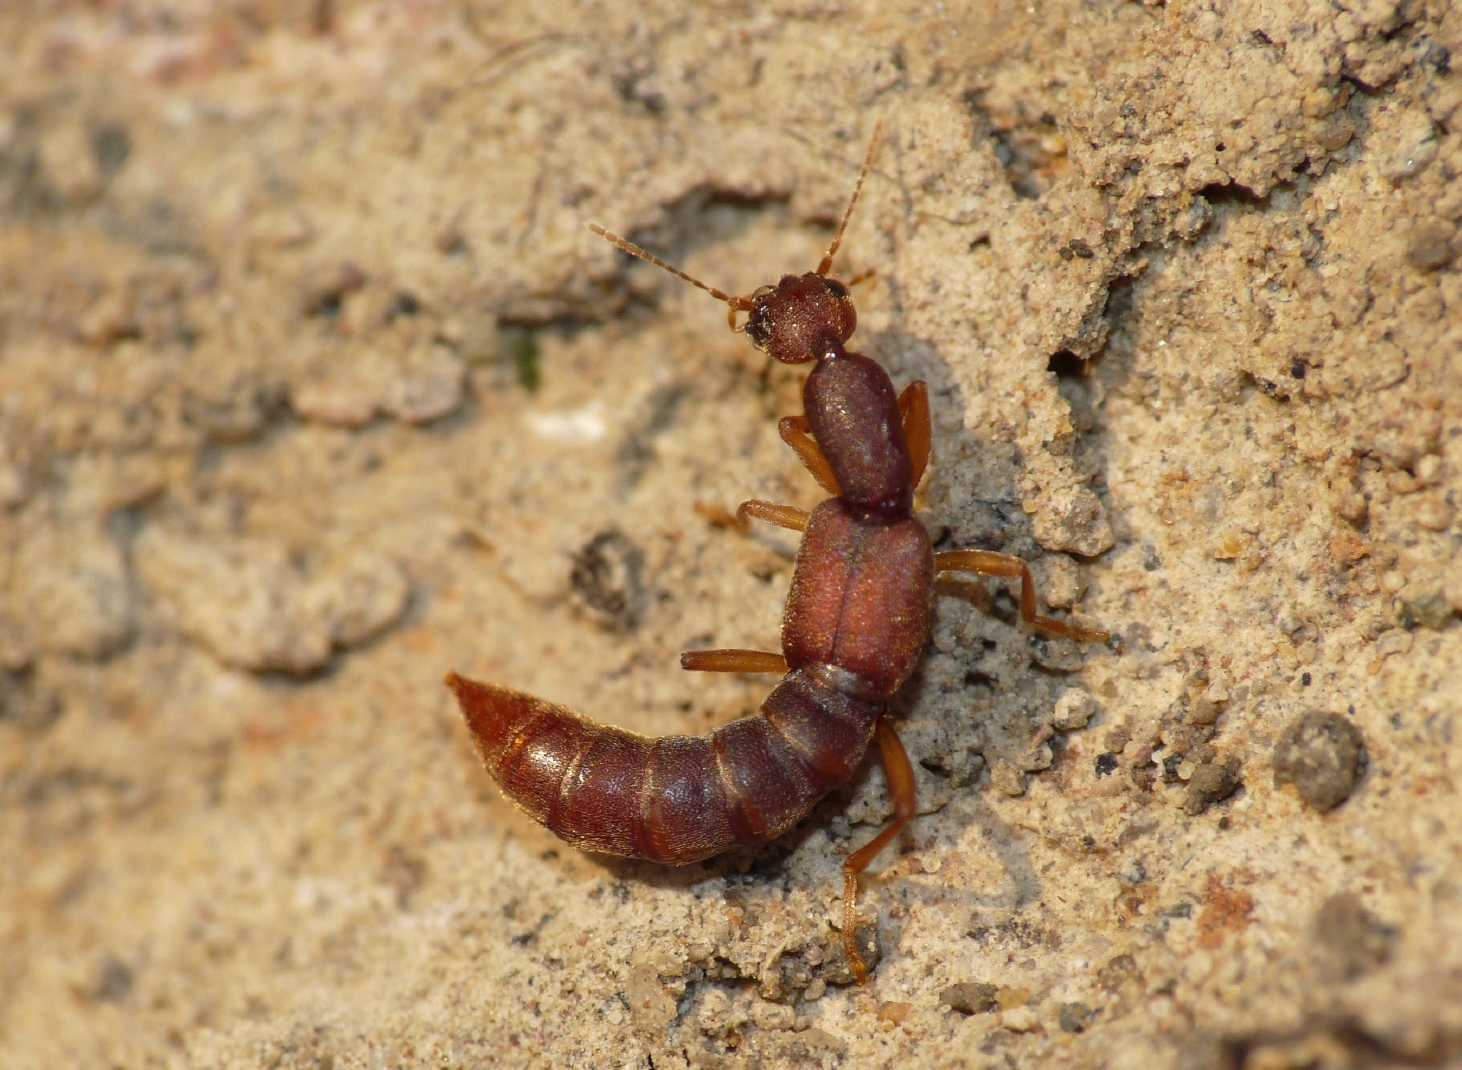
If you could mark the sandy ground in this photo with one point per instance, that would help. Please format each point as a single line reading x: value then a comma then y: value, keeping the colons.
x: 313, y: 386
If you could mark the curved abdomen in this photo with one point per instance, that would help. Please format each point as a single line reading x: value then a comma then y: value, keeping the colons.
x: 673, y: 799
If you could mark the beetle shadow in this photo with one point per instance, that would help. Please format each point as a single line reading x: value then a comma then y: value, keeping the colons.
x: 755, y: 871
x: 755, y: 866
x: 993, y: 521
x: 1000, y: 839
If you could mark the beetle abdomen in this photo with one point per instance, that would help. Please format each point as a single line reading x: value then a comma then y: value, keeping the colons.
x: 674, y: 799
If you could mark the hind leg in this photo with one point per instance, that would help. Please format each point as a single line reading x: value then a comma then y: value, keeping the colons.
x: 900, y: 777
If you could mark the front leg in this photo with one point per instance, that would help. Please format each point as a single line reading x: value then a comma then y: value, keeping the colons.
x: 914, y: 414
x: 797, y: 433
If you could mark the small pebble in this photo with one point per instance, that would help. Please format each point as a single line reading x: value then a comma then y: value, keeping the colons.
x: 432, y: 387
x: 1429, y: 470
x: 1072, y: 520
x: 1211, y: 782
x: 837, y: 971
x: 1007, y: 779
x: 1353, y: 941
x: 1019, y: 1020
x: 1393, y: 642
x: 1011, y: 996
x: 1074, y: 709
x: 335, y: 403
x: 1037, y: 756
x: 1423, y: 604
x: 1430, y: 246
x: 969, y: 997
x: 360, y: 597
x: 111, y: 317
x: 1434, y: 513
x: 1075, y: 1017
x: 895, y: 1013
x: 771, y: 1016
x: 1323, y: 756
x: 1059, y: 580
x: 77, y: 595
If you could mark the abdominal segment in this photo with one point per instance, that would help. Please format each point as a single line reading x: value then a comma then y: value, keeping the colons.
x: 672, y: 799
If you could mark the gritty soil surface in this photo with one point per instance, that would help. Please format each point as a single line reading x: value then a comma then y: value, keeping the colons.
x: 314, y: 387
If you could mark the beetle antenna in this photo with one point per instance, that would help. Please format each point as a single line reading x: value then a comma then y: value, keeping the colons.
x: 742, y: 303
x: 832, y: 250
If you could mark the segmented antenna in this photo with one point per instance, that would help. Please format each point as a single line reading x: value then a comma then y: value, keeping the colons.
x: 832, y: 250
x: 744, y: 304
x: 747, y: 304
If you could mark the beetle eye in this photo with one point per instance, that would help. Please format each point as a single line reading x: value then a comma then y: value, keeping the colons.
x: 836, y: 288
x: 759, y: 328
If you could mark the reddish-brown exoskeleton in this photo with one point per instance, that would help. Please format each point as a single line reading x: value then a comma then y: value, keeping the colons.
x: 855, y: 627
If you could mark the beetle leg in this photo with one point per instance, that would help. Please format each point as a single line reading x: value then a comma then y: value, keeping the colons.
x: 900, y: 777
x: 784, y: 516
x: 733, y: 661
x: 914, y: 411
x: 989, y: 563
x: 797, y: 433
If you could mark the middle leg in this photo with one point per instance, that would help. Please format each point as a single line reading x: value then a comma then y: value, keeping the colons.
x: 989, y: 563
x: 784, y: 516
